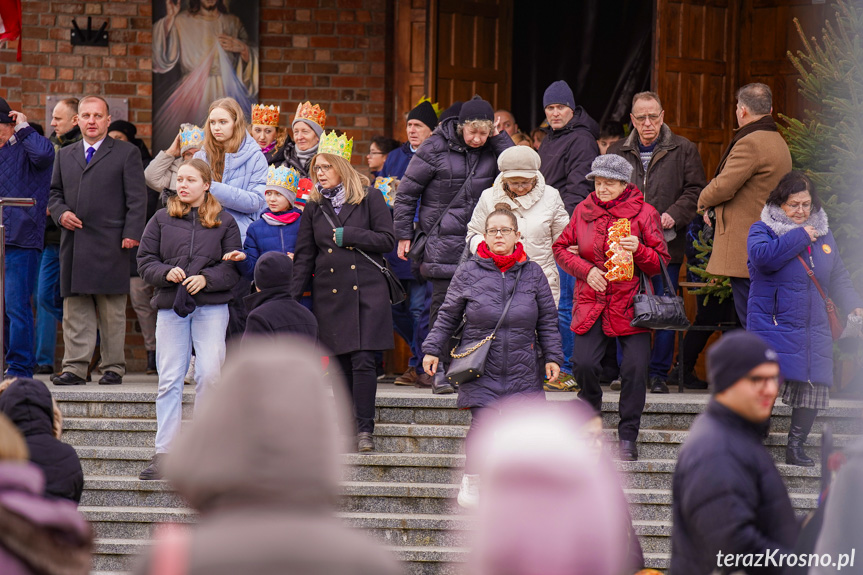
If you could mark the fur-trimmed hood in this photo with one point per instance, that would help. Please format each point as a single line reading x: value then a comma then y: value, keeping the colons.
x: 781, y: 224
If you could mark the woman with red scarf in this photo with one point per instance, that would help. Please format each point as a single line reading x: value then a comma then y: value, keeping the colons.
x: 525, y: 348
x: 602, y: 309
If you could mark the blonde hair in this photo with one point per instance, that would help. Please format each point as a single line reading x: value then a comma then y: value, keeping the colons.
x: 355, y: 184
x: 476, y: 125
x: 209, y: 211
x: 520, y: 137
x: 281, y: 135
x: 215, y: 150
x: 12, y: 445
x: 56, y: 420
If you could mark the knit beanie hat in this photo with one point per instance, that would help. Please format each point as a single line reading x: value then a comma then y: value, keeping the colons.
x: 610, y: 166
x: 5, y: 118
x: 128, y: 129
x: 558, y: 93
x: 424, y: 112
x: 476, y: 109
x: 735, y: 354
x: 452, y: 111
x: 274, y: 269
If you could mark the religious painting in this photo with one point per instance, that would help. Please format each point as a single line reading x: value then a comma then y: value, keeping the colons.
x: 203, y: 50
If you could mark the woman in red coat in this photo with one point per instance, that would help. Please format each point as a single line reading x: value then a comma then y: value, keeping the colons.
x: 601, y: 308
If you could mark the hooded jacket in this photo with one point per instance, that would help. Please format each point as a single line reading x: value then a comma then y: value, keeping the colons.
x: 261, y: 465
x: 588, y: 229
x: 27, y: 403
x: 728, y: 496
x: 39, y: 536
x: 672, y: 182
x: 566, y: 156
x: 479, y: 292
x: 785, y: 307
x: 170, y: 242
x: 241, y: 191
x: 272, y: 310
x: 434, y: 177
x: 261, y: 237
x: 541, y: 217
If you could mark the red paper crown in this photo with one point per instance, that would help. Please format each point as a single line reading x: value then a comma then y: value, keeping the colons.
x: 310, y: 113
x: 265, y: 115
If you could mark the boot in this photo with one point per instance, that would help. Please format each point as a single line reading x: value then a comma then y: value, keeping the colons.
x: 365, y: 443
x: 151, y: 362
x: 801, y: 423
x: 440, y: 385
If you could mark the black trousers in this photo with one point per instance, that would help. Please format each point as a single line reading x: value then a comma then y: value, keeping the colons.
x: 711, y: 314
x: 740, y: 291
x: 237, y: 312
x: 587, y: 353
x: 358, y: 370
x: 439, y: 288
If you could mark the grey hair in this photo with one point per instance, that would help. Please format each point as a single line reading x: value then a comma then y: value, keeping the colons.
x: 646, y: 96
x: 757, y: 97
x: 476, y: 125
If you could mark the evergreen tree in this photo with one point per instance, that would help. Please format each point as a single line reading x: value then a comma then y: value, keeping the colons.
x: 827, y: 142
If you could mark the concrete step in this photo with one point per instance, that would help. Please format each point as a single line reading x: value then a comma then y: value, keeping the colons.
x: 92, y: 401
x: 131, y: 523
x: 119, y: 491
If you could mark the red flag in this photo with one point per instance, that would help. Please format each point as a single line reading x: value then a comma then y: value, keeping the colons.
x: 10, y: 18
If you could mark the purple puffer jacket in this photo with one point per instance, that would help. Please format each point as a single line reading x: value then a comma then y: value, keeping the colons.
x: 39, y: 535
x: 479, y: 292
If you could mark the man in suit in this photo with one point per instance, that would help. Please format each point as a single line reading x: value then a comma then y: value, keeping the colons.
x: 99, y: 198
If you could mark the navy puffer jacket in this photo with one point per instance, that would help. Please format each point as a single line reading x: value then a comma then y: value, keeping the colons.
x: 479, y: 292
x: 434, y: 176
x: 785, y: 308
x: 262, y: 237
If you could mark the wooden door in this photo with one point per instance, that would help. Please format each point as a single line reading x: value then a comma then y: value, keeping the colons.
x: 695, y: 69
x: 471, y: 41
x: 767, y: 34
x: 410, y: 65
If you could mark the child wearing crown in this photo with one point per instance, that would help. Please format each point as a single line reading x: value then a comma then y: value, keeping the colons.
x: 276, y: 229
x: 267, y: 133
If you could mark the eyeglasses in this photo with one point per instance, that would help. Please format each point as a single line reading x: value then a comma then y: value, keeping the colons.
x: 805, y: 206
x: 761, y: 381
x: 652, y: 117
x: 521, y: 185
x: 323, y: 168
x: 502, y: 231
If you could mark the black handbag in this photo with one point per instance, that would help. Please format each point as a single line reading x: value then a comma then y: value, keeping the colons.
x: 663, y: 311
x: 420, y: 239
x: 469, y: 359
x: 395, y: 287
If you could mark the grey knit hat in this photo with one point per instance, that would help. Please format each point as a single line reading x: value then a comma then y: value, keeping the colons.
x: 610, y: 166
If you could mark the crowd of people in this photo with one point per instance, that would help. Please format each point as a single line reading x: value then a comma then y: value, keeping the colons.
x: 479, y: 245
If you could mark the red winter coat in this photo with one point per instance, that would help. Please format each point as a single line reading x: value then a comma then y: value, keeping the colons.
x: 588, y: 229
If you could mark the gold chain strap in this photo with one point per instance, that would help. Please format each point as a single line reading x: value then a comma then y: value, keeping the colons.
x: 472, y: 349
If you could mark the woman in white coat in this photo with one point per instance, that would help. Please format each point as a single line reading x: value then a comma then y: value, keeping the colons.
x: 541, y: 214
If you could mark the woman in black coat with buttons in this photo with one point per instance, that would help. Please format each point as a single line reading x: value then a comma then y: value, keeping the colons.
x: 350, y: 296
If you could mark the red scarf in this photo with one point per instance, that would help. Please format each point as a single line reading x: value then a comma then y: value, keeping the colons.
x: 284, y: 219
x: 624, y: 195
x: 503, y: 263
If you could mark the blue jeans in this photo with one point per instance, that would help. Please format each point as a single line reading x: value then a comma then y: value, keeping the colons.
x: 49, y: 305
x: 564, y: 318
x: 204, y: 329
x: 663, y: 340
x: 406, y: 319
x: 22, y: 269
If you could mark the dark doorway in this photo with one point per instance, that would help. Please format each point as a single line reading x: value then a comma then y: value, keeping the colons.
x: 602, y: 48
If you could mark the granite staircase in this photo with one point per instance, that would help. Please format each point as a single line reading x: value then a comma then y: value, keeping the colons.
x: 404, y: 494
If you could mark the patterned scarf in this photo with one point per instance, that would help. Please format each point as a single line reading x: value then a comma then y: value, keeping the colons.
x: 284, y: 219
x: 335, y: 195
x: 503, y: 263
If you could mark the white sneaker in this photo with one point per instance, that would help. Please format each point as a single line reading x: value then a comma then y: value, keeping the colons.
x: 468, y: 495
x: 190, y: 373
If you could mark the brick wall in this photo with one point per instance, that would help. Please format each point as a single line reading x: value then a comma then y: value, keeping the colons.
x: 331, y: 52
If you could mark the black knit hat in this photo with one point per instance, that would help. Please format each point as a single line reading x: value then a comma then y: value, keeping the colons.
x: 127, y: 128
x: 735, y: 354
x: 274, y: 269
x: 452, y: 111
x: 5, y: 118
x: 424, y: 112
x: 476, y: 109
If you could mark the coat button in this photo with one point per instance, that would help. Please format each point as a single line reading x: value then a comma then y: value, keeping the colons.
x: 329, y: 250
x: 353, y: 267
x: 335, y: 291
x: 355, y: 288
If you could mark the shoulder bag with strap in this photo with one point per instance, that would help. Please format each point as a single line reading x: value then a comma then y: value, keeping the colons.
x: 395, y: 287
x: 658, y: 311
x: 468, y: 362
x: 836, y: 327
x: 418, y: 243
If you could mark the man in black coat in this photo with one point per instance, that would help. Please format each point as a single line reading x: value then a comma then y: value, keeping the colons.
x: 731, y: 510
x: 99, y: 198
x: 28, y: 404
x: 272, y: 310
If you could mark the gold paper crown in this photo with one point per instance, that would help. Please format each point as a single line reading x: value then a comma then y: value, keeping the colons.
x: 311, y: 113
x: 265, y: 115
x: 287, y: 178
x: 191, y: 136
x: 338, y: 146
x: 435, y: 105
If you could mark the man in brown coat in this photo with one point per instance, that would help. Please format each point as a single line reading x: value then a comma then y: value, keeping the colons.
x: 754, y: 162
x: 667, y: 168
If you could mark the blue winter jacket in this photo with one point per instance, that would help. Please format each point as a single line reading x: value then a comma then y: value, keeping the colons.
x: 25, y: 172
x: 397, y: 162
x: 785, y: 307
x: 241, y: 191
x: 261, y: 238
